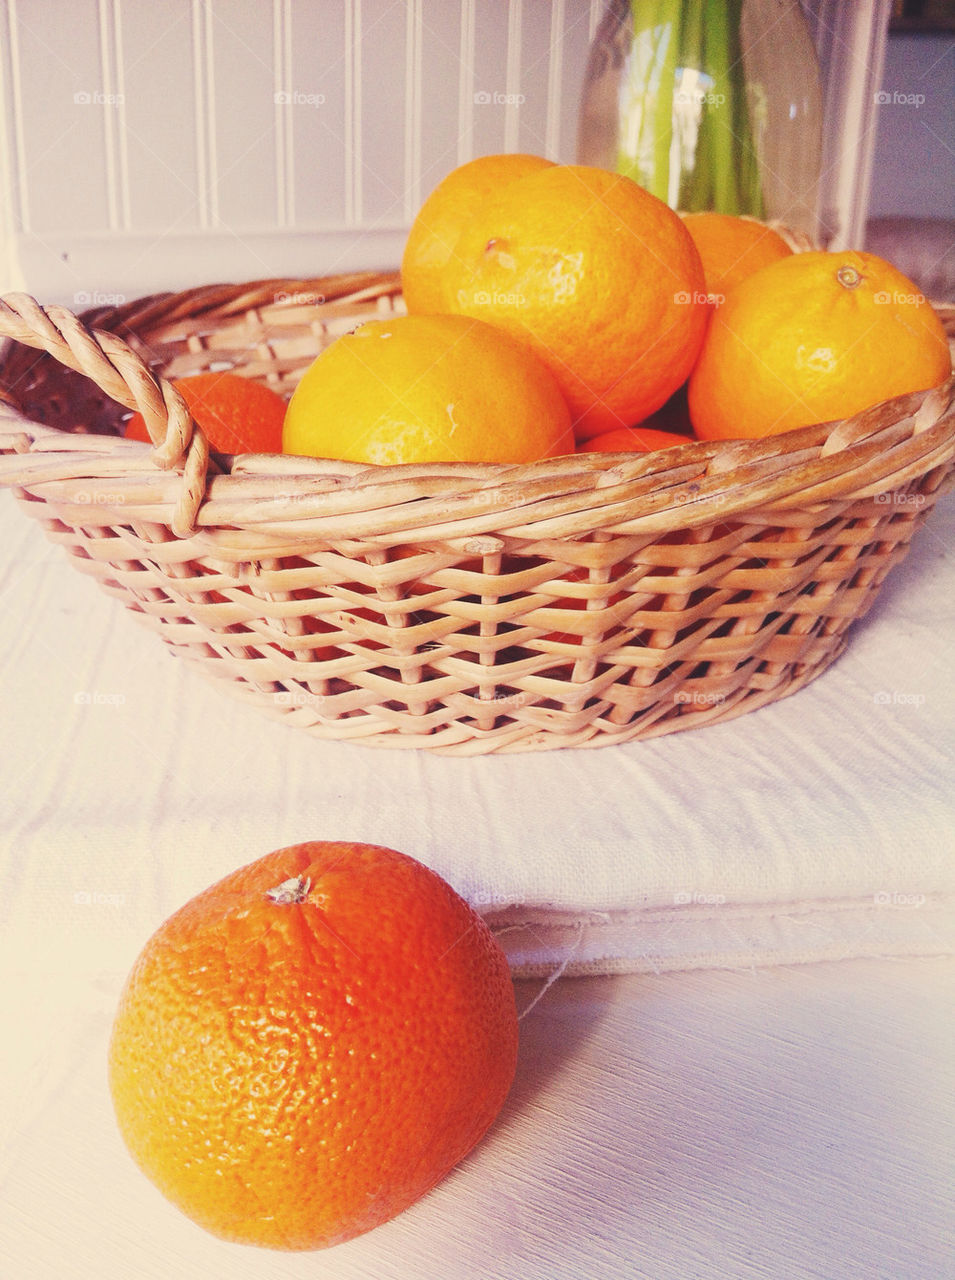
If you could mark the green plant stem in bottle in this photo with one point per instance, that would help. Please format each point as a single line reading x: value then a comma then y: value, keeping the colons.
x: 709, y: 104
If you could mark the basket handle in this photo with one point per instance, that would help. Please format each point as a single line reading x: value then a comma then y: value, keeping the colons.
x: 118, y: 371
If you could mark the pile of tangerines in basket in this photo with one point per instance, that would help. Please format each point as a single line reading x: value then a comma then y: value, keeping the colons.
x: 556, y: 309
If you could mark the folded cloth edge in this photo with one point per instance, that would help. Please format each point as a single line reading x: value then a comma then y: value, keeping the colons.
x: 538, y: 943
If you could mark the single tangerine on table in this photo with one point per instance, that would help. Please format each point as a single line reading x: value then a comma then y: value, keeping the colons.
x: 814, y: 337
x: 308, y: 1046
x: 435, y: 388
x: 599, y: 277
x: 235, y: 414
x: 436, y: 228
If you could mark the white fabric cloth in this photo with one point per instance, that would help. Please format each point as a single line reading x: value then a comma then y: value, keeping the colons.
x: 823, y: 826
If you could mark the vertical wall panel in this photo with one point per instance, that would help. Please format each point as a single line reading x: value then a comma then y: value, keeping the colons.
x: 536, y: 50
x: 467, y: 60
x: 555, y: 67
x: 441, y: 76
x: 240, y: 90
x: 574, y: 48
x: 16, y: 215
x: 10, y: 222
x: 60, y: 107
x: 490, y: 74
x: 514, y: 96
x: 317, y: 113
x: 281, y: 116
x: 205, y: 124
x: 383, y: 180
x: 413, y: 123
x: 114, y: 122
x: 354, y: 167
x: 160, y: 114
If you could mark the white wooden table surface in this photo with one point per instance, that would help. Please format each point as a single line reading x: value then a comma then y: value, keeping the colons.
x: 779, y: 1124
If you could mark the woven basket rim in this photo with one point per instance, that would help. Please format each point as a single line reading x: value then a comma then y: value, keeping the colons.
x: 180, y: 482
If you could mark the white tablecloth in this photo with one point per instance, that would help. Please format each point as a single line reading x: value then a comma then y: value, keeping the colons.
x: 787, y: 1123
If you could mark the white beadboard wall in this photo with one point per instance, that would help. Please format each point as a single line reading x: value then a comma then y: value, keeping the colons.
x: 157, y: 144
x: 160, y: 144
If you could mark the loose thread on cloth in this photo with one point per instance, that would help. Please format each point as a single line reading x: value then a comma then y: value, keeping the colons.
x: 551, y: 978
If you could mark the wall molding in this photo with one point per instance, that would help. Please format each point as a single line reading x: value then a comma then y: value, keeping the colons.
x: 78, y: 271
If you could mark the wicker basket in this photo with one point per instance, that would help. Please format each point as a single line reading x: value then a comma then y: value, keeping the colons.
x: 578, y: 601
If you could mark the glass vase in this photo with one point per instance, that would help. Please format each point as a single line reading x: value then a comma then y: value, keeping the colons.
x: 709, y: 104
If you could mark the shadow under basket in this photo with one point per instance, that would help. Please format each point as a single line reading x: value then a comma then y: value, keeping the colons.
x: 578, y: 601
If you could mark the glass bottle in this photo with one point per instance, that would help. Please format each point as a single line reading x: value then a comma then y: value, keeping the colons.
x: 709, y: 104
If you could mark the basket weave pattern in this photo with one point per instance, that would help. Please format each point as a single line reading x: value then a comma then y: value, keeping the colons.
x: 578, y: 601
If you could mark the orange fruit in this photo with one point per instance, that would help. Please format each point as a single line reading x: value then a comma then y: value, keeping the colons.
x: 427, y: 389
x: 435, y: 230
x: 732, y: 248
x: 641, y: 439
x: 600, y: 277
x: 811, y: 338
x: 308, y: 1046
x: 236, y: 414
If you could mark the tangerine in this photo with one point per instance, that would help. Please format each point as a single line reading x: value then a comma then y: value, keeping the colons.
x: 639, y: 439
x: 308, y: 1046
x: 438, y: 224
x: 598, y: 276
x: 814, y: 337
x: 732, y: 248
x: 428, y: 389
x: 235, y: 414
